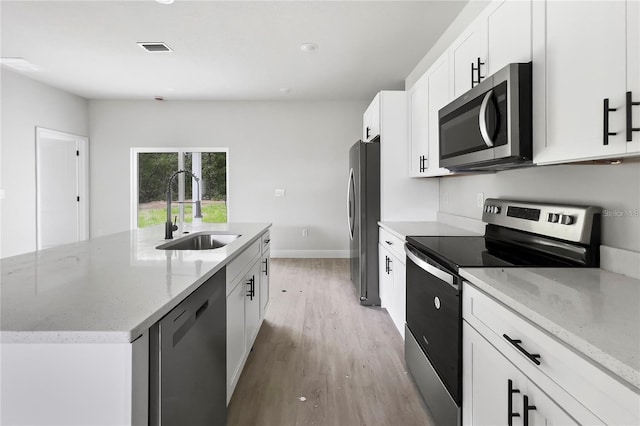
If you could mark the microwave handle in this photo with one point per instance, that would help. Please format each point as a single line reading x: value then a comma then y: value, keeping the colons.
x: 482, y: 119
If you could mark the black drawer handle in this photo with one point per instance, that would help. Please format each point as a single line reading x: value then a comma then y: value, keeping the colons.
x: 388, y: 242
x: 516, y: 343
x: 252, y: 289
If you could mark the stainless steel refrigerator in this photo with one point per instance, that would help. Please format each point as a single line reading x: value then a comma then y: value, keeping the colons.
x: 363, y: 206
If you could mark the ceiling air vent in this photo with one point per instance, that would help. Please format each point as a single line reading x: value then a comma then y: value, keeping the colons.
x: 155, y: 47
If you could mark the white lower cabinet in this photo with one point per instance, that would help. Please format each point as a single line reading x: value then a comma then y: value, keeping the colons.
x: 247, y: 301
x: 392, y: 278
x: 264, y: 283
x: 502, y: 350
x: 495, y: 392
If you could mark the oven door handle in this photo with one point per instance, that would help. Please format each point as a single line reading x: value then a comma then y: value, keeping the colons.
x: 438, y: 273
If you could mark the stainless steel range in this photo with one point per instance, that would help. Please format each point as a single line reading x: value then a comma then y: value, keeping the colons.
x: 517, y: 234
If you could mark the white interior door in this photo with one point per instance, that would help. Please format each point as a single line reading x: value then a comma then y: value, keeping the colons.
x: 61, y: 187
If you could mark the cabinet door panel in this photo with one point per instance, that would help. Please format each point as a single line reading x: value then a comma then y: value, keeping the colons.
x: 252, y: 304
x: 385, y: 279
x: 546, y: 412
x: 418, y: 99
x: 633, y: 69
x: 486, y: 375
x: 585, y: 63
x: 399, y: 295
x: 464, y: 52
x: 439, y: 96
x: 509, y: 34
x: 264, y: 283
x: 235, y: 335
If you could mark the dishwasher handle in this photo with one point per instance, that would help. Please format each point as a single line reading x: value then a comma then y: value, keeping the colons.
x: 422, y: 264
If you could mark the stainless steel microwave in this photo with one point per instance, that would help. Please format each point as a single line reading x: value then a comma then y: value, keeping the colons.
x: 489, y: 127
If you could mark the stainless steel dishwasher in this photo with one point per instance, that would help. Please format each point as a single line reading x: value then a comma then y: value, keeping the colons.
x: 187, y: 365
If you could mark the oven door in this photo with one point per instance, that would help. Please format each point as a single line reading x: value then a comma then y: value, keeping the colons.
x: 434, y: 317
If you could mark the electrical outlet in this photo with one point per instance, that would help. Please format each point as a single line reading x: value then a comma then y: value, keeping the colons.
x: 305, y: 232
x: 480, y: 199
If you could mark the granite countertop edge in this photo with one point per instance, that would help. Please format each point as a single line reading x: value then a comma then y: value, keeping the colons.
x: 134, y: 329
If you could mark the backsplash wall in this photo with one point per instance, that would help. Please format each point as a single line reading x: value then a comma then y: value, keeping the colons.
x: 615, y: 188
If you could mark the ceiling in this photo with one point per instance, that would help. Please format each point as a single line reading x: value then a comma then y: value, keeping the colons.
x: 223, y: 50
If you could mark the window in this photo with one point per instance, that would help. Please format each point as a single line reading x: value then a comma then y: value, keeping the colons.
x: 151, y: 169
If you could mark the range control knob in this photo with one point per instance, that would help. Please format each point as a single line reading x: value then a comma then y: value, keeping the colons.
x: 553, y: 217
x: 566, y: 219
x: 496, y: 209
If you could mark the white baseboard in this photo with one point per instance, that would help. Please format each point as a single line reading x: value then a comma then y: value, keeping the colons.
x: 311, y: 254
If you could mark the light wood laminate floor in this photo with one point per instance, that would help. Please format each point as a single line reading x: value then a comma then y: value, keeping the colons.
x: 318, y: 343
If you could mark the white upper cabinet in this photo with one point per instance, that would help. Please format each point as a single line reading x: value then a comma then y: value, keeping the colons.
x: 425, y: 99
x: 418, y: 135
x: 468, y: 55
x: 371, y: 120
x: 633, y: 77
x: 585, y: 60
x: 501, y: 35
x: 508, y: 34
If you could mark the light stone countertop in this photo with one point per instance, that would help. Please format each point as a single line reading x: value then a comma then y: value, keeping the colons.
x: 591, y: 310
x: 435, y: 229
x: 108, y: 289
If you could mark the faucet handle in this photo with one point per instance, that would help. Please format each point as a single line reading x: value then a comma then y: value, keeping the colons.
x: 175, y: 221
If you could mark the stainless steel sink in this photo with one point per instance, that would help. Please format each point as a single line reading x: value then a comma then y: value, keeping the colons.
x: 200, y: 241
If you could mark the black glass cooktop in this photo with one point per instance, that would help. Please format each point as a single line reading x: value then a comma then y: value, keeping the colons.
x: 460, y: 252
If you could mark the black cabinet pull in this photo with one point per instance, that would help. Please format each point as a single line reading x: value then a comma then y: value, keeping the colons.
x: 606, y: 133
x: 252, y: 289
x: 367, y: 133
x: 389, y: 267
x: 388, y: 242
x: 510, y: 413
x: 516, y: 343
x: 386, y: 264
x: 630, y: 128
x: 266, y: 266
x: 423, y: 162
x: 474, y: 68
x: 527, y: 408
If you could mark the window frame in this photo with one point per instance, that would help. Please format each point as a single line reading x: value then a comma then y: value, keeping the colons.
x: 133, y: 174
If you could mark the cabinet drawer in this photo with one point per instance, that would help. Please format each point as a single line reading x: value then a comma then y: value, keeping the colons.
x: 393, y: 243
x: 577, y: 380
x: 266, y: 241
x: 242, y: 262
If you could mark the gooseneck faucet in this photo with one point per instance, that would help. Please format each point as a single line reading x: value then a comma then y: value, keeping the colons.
x: 169, y: 226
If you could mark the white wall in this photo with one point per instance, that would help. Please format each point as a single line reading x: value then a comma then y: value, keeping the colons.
x: 301, y: 147
x: 612, y: 187
x: 25, y: 105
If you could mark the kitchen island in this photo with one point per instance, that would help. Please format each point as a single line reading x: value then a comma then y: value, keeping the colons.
x: 74, y: 320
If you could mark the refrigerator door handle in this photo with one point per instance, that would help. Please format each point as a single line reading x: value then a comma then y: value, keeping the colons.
x: 350, y: 206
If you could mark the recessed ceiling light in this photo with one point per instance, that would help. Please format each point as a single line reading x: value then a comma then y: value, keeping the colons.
x: 19, y: 64
x: 154, y: 47
x: 308, y: 47
x: 165, y: 1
